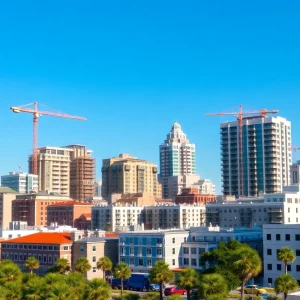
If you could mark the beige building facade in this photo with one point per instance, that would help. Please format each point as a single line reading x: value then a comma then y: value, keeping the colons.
x: 94, y: 248
x: 7, y: 195
x: 128, y: 174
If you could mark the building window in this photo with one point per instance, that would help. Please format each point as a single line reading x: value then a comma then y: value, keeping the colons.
x: 94, y: 269
x: 298, y: 268
x: 297, y: 252
x: 66, y: 247
x: 149, y: 263
x: 94, y: 258
x: 131, y: 262
x: 81, y: 248
x: 270, y: 280
x: 297, y: 237
x: 141, y: 262
x: 186, y: 261
x: 159, y: 251
x: 270, y: 267
x: 287, y: 237
x: 269, y: 237
x: 289, y: 268
x: 278, y: 267
x: 131, y: 250
x: 277, y: 237
x: 94, y: 248
x: 149, y: 252
x: 194, y: 250
x: 173, y: 240
x: 269, y: 251
x: 194, y: 262
x: 185, y: 250
x: 173, y: 250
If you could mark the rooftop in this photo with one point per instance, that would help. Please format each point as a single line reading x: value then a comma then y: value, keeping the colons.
x: 96, y: 239
x: 56, y: 238
x: 70, y: 203
x: 4, y: 189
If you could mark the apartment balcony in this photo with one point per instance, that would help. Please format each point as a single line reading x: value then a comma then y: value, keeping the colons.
x: 159, y: 255
x: 131, y: 254
x: 159, y: 245
x: 140, y: 255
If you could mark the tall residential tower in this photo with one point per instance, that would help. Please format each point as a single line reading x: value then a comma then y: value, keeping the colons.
x: 177, y: 157
x: 266, y: 156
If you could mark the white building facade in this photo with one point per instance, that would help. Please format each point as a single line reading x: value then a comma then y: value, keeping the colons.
x: 141, y: 249
x: 274, y: 238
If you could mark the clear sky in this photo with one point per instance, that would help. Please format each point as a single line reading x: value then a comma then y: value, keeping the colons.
x: 135, y: 67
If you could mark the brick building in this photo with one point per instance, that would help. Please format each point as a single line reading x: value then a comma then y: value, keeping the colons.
x: 192, y: 196
x: 47, y: 247
x: 66, y: 213
x: 32, y: 208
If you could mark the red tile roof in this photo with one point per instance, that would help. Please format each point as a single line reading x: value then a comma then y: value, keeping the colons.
x: 111, y: 235
x: 87, y: 216
x: 43, y: 238
x: 70, y: 203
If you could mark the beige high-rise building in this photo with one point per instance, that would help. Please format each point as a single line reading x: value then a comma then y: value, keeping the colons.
x: 54, y: 170
x: 82, y: 173
x: 68, y: 171
x: 128, y: 174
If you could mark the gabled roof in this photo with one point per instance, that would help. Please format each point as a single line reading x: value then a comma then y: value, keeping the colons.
x: 56, y: 238
x: 86, y: 216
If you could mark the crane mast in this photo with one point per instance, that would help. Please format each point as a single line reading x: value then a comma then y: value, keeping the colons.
x: 36, y: 114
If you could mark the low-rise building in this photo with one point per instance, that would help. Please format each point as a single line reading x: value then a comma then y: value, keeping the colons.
x: 118, y: 217
x: 281, y: 208
x: 141, y: 249
x: 94, y: 248
x: 47, y: 247
x: 276, y: 236
x: 192, y: 196
x: 67, y: 213
x: 203, y: 239
x: 32, y: 208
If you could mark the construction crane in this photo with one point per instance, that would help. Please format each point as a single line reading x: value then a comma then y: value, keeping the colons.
x: 295, y: 149
x: 36, y: 114
x: 239, y: 115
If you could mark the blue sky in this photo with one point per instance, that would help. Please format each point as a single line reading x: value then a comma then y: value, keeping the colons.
x: 135, y: 67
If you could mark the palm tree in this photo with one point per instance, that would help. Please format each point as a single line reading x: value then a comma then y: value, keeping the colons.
x: 247, y: 265
x: 97, y: 289
x: 284, y: 284
x: 76, y: 283
x: 35, y: 289
x: 32, y: 264
x: 213, y: 286
x: 9, y: 271
x: 13, y: 290
x: 62, y: 266
x: 104, y: 264
x: 187, y: 280
x: 82, y: 265
x: 122, y: 271
x: 52, y: 279
x: 286, y: 255
x: 159, y: 274
x: 60, y: 291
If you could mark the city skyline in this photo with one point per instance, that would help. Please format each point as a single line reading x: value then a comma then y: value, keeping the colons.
x: 134, y: 70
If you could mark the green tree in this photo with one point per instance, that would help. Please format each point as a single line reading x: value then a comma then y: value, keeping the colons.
x: 122, y: 271
x: 159, y: 274
x: 77, y: 284
x: 247, y: 265
x: 273, y: 297
x: 286, y: 255
x: 104, y: 264
x: 82, y: 265
x: 188, y: 279
x: 284, y: 284
x: 213, y: 286
x: 97, y: 289
x: 9, y: 271
x: 60, y: 291
x: 52, y: 279
x: 62, y: 266
x: 13, y: 290
x: 220, y: 260
x: 32, y: 264
x: 34, y: 289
